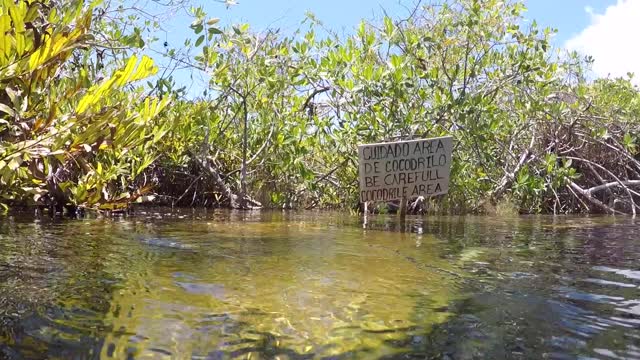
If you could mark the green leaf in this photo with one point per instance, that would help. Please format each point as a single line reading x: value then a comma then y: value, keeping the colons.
x: 200, y: 40
x: 5, y: 109
x: 14, y: 164
x: 388, y: 26
x: 17, y: 17
x: 13, y: 94
x: 215, y: 31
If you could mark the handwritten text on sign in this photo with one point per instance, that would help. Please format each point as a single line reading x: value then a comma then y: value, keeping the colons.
x: 391, y: 171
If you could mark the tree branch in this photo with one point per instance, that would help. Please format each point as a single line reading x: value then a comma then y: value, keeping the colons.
x: 312, y: 95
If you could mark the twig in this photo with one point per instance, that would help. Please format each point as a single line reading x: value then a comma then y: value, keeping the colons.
x: 188, y: 188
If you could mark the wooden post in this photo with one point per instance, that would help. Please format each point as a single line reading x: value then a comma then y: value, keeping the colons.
x: 366, y: 213
x: 402, y: 213
x: 403, y: 208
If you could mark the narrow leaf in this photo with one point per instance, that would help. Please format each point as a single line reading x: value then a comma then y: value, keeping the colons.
x: 200, y: 40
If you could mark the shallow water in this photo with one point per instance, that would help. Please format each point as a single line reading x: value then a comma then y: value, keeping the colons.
x: 319, y: 285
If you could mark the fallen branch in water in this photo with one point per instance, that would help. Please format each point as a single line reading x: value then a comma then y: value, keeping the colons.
x: 587, y: 195
x: 606, y: 186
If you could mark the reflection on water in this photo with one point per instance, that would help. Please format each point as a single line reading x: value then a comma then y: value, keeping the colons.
x: 296, y: 286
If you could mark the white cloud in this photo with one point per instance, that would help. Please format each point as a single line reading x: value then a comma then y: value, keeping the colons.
x: 612, y: 39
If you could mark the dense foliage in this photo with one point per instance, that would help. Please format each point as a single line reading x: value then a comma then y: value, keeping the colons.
x: 279, y: 122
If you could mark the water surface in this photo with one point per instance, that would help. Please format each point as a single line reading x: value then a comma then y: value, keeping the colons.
x: 196, y: 285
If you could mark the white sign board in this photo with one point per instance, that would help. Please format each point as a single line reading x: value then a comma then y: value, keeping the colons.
x: 391, y: 171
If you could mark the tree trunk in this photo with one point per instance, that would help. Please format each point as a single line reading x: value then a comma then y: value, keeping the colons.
x: 243, y: 201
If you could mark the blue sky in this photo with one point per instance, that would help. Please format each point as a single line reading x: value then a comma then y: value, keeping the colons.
x: 569, y: 16
x: 595, y: 27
